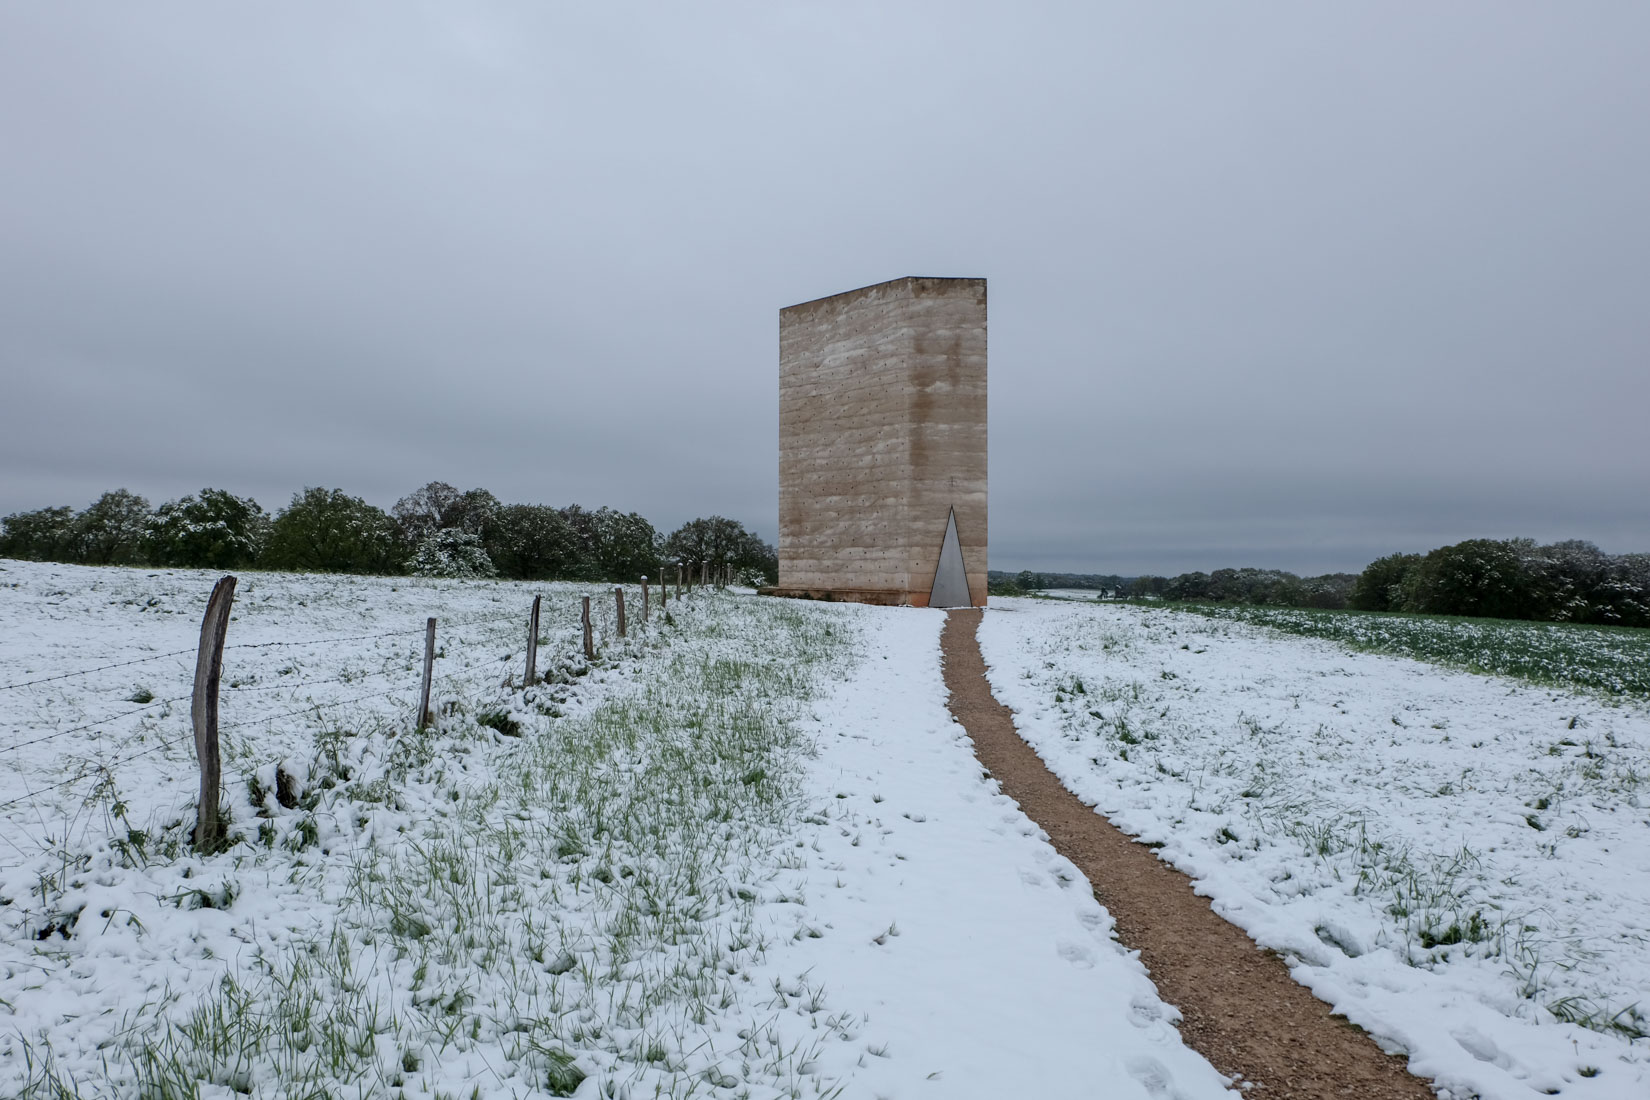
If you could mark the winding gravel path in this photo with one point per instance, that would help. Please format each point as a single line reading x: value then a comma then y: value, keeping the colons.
x: 1241, y: 1009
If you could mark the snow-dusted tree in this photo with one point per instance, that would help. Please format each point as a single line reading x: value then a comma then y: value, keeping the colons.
x: 43, y: 535
x: 1331, y: 590
x: 331, y: 531
x: 1187, y: 586
x: 613, y: 546
x: 215, y: 530
x: 1380, y: 587
x: 452, y: 553
x: 532, y: 542
x: 719, y: 539
x: 1480, y: 577
x: 1146, y: 586
x: 440, y: 507
x: 1629, y: 587
x: 111, y: 531
x: 1567, y: 579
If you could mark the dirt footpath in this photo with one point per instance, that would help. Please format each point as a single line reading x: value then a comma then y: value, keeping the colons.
x: 1242, y: 1010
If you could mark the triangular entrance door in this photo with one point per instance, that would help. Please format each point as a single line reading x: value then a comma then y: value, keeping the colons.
x: 951, y: 578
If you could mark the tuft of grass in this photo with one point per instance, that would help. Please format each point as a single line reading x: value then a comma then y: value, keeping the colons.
x: 501, y: 721
x: 562, y: 1077
x: 1627, y: 1022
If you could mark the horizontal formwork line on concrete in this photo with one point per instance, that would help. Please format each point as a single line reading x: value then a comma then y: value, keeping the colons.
x: 894, y: 390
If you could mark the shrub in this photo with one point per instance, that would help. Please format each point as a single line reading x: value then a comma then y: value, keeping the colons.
x: 532, y: 542
x: 612, y: 545
x: 719, y: 539
x: 1480, y: 577
x: 43, y: 535
x: 111, y: 531
x: 1187, y: 586
x: 215, y: 530
x: 330, y: 531
x: 1380, y: 587
x: 1146, y: 587
x: 440, y: 507
x: 452, y: 553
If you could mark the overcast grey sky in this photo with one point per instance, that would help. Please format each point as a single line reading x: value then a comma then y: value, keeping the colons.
x: 1279, y: 284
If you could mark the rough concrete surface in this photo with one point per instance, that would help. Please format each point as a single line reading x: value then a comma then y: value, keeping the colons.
x: 882, y: 432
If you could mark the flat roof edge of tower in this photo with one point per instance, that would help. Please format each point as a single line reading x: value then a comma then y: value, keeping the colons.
x: 886, y: 283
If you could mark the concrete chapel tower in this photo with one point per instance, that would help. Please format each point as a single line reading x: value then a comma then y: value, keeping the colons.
x: 882, y: 445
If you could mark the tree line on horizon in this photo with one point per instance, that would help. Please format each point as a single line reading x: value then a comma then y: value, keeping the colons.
x: 436, y: 530
x: 1568, y: 581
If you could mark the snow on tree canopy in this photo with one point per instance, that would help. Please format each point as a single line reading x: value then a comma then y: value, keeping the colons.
x: 451, y: 553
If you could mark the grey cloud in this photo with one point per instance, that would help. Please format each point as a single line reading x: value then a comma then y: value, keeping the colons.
x: 1285, y: 285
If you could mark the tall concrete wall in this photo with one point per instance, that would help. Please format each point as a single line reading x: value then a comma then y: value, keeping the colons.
x: 882, y: 432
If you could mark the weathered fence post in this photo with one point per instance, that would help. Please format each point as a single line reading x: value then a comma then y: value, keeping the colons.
x: 618, y: 602
x: 678, y: 580
x: 589, y: 640
x: 704, y: 572
x: 644, y: 599
x: 664, y: 587
x: 429, y: 669
x: 203, y: 711
x: 532, y: 646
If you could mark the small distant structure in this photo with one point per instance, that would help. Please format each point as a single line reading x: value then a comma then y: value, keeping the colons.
x: 882, y: 445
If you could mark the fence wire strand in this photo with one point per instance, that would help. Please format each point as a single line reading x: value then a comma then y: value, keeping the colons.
x: 100, y: 668
x: 95, y: 725
x: 255, y: 645
x: 91, y: 770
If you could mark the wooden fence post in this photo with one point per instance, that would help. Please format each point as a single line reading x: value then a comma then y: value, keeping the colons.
x: 678, y: 580
x: 644, y: 599
x: 532, y: 646
x: 664, y: 587
x: 618, y: 602
x: 429, y: 670
x: 589, y: 640
x: 203, y: 711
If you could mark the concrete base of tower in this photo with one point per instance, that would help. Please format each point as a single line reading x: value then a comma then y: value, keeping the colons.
x: 883, y: 597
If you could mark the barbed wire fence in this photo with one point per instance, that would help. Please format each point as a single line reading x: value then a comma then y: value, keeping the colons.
x: 208, y: 689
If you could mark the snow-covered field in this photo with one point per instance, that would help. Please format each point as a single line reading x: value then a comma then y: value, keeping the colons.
x: 1459, y: 863
x: 746, y: 853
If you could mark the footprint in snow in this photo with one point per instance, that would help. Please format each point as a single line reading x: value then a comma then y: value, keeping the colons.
x: 1482, y: 1047
x: 1075, y: 953
x: 1151, y: 1074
